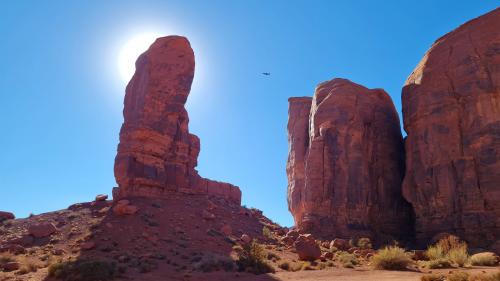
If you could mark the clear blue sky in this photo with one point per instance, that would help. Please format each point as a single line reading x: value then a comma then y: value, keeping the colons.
x: 61, y: 96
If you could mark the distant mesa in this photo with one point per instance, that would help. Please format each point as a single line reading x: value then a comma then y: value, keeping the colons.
x: 157, y: 155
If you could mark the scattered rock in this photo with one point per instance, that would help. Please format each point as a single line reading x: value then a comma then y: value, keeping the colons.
x: 89, y: 245
x: 307, y: 248
x: 11, y: 266
x: 340, y: 244
x: 245, y: 238
x: 101, y: 197
x: 41, y: 230
x: 123, y: 207
x: 207, y: 215
x: 13, y: 248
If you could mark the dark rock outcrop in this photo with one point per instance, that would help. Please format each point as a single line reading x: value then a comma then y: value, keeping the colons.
x: 157, y: 155
x: 345, y: 164
x: 451, y: 110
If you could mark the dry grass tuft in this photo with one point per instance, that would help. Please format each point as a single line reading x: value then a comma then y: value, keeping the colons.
x: 391, y: 258
x: 484, y: 259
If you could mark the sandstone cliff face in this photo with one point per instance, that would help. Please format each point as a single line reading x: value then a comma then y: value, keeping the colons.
x: 345, y: 164
x: 451, y: 108
x: 157, y: 154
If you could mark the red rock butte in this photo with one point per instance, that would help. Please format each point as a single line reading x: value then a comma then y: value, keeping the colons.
x: 451, y: 112
x: 157, y: 155
x: 345, y: 164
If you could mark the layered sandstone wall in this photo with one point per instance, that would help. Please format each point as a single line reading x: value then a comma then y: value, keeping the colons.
x: 451, y: 110
x: 157, y: 154
x: 345, y: 163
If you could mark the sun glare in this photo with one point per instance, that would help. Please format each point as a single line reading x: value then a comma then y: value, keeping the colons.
x: 131, y: 51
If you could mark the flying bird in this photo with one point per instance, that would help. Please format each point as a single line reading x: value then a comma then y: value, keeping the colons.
x: 266, y: 73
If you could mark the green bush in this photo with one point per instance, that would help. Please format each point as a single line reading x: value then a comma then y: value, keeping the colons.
x: 253, y: 259
x: 484, y: 259
x: 83, y: 271
x: 392, y: 258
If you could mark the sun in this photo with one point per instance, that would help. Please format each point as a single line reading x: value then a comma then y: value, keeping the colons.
x: 131, y: 51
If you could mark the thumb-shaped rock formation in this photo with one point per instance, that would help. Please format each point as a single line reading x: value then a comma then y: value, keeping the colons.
x: 157, y: 154
x: 345, y: 164
x: 451, y: 110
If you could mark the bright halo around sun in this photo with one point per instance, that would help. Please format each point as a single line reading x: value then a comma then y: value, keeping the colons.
x: 131, y: 51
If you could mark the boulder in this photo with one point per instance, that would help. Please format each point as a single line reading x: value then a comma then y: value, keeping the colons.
x: 101, y: 197
x: 89, y: 245
x: 345, y: 163
x: 307, y: 248
x: 157, y: 155
x: 452, y: 118
x: 123, y: 207
x: 11, y: 266
x: 6, y: 216
x: 245, y: 238
x: 340, y: 244
x: 41, y: 229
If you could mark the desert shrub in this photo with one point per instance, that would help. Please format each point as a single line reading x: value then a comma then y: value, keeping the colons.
x: 347, y: 260
x: 252, y: 259
x: 439, y: 263
x: 83, y: 271
x: 485, y: 259
x: 432, y: 277
x: 307, y: 266
x: 392, y: 258
x: 485, y: 277
x: 266, y: 231
x: 449, y: 242
x: 447, y: 251
x: 364, y: 243
x: 434, y: 252
x: 458, y: 276
x: 28, y: 264
x: 458, y: 254
x: 211, y: 263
